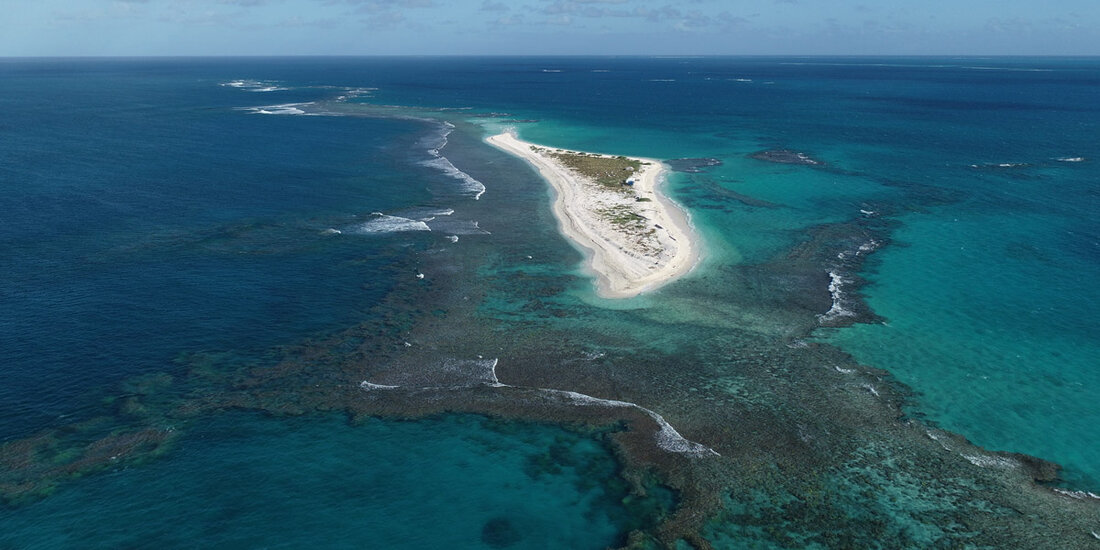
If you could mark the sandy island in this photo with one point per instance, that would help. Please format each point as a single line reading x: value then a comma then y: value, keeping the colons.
x: 636, y: 238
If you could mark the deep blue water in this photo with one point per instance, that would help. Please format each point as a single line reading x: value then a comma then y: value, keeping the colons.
x: 144, y: 217
x: 148, y: 215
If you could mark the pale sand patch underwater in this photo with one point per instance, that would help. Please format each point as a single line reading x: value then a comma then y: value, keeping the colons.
x: 636, y: 238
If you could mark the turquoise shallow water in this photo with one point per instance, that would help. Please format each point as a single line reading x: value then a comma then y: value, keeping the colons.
x: 455, y: 482
x: 212, y: 233
x: 1007, y: 348
x: 987, y: 287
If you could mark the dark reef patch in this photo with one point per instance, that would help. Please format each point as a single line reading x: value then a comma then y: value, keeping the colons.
x: 786, y: 156
x: 500, y: 532
x: 815, y: 449
x: 692, y: 166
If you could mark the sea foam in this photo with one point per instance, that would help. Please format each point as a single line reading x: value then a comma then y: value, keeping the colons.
x: 468, y: 373
x: 381, y: 223
x: 836, y: 290
x: 283, y: 109
x: 468, y: 184
x: 667, y: 437
x: 456, y: 227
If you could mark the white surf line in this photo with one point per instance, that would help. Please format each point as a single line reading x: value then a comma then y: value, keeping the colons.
x: 1079, y: 495
x: 493, y: 374
x: 667, y: 437
x: 368, y: 386
x: 980, y: 460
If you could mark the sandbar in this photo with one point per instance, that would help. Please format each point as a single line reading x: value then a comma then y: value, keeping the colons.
x: 635, y: 238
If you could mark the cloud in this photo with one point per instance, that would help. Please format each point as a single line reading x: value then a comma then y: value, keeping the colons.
x: 668, y: 16
x: 377, y: 6
x: 244, y: 3
x: 117, y: 10
x: 490, y: 5
x: 510, y: 20
x: 384, y: 18
x: 300, y: 22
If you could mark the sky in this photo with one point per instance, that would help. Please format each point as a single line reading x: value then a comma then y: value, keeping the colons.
x: 548, y: 27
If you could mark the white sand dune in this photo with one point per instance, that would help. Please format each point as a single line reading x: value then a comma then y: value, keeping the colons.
x: 626, y: 261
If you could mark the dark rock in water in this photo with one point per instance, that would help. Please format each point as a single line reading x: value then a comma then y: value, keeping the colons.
x: 499, y: 532
x: 1039, y: 469
x: 715, y: 189
x: 692, y: 165
x: 786, y: 156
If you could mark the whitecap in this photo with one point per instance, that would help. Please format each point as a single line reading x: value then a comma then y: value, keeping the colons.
x: 988, y: 461
x: 382, y: 223
x: 836, y: 290
x: 473, y: 371
x: 331, y: 231
x: 1000, y: 165
x: 253, y: 85
x: 452, y: 238
x: 242, y: 83
x: 667, y: 437
x: 352, y: 93
x: 283, y: 109
x: 468, y: 373
x: 426, y: 214
x: 468, y: 184
x: 869, y: 246
x: 1079, y: 495
x: 457, y: 227
x: 368, y: 386
x: 939, y: 439
x: 1070, y: 159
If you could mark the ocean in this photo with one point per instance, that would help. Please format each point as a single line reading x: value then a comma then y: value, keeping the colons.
x: 278, y: 302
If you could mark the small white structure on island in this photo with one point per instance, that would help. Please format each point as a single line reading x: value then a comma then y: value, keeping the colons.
x: 629, y: 181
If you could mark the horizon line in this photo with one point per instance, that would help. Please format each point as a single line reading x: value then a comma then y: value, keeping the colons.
x: 577, y: 56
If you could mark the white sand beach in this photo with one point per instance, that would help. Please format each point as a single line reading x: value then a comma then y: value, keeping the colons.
x: 656, y: 247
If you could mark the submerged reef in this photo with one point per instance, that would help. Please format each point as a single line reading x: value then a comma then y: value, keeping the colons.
x: 785, y: 156
x: 713, y: 392
x: 802, y: 445
x: 692, y: 166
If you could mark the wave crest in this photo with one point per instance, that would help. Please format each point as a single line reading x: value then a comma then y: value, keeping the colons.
x: 468, y: 184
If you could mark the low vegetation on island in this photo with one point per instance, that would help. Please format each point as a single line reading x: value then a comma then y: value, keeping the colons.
x: 604, y: 170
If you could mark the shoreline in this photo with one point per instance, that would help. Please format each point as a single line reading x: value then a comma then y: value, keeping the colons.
x: 658, y: 247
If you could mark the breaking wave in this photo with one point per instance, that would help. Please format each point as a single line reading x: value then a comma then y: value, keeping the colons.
x: 456, y: 227
x: 381, y: 223
x: 468, y: 184
x: 284, y: 109
x: 254, y: 85
x: 466, y: 373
